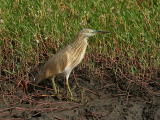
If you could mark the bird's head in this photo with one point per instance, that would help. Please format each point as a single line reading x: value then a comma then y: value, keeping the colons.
x: 91, y: 32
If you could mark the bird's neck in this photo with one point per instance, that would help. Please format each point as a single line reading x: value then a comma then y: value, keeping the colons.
x: 81, y: 42
x: 81, y: 39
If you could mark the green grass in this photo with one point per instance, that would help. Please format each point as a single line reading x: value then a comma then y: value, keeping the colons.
x: 134, y: 28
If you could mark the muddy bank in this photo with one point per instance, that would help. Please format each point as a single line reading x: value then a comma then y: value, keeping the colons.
x: 105, y: 108
x: 99, y: 94
x: 97, y: 104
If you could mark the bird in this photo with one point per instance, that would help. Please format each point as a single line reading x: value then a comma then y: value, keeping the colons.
x: 64, y: 61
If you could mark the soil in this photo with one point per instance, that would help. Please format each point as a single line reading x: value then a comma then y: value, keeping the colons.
x: 95, y: 99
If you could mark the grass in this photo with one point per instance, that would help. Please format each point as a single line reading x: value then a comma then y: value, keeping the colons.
x: 31, y: 30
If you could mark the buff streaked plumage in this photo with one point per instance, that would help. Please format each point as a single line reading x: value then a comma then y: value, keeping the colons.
x: 66, y: 59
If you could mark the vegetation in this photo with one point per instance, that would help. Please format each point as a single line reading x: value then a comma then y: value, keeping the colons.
x: 32, y: 30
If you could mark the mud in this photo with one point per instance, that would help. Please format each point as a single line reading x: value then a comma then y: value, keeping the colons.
x: 91, y: 104
x: 96, y: 98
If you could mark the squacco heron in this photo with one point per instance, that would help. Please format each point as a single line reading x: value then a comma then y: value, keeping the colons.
x: 67, y: 59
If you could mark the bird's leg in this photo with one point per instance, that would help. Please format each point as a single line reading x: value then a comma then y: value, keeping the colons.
x: 67, y: 83
x: 54, y: 84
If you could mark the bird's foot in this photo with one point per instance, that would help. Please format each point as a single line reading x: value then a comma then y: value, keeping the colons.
x: 74, y: 99
x: 70, y: 97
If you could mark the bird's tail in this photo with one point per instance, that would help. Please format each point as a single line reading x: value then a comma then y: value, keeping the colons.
x: 39, y: 77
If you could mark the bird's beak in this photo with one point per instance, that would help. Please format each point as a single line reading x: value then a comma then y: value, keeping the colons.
x: 101, y: 32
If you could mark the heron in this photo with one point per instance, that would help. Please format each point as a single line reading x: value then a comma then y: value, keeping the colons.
x: 67, y: 59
